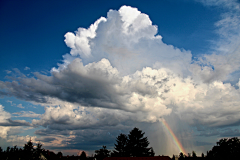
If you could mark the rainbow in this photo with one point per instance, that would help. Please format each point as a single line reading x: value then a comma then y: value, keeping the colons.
x: 173, y: 136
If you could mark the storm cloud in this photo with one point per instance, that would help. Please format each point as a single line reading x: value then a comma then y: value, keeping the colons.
x: 120, y: 73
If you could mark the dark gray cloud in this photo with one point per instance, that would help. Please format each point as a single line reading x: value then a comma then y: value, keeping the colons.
x: 45, y: 139
x: 209, y: 133
x: 220, y: 132
x: 90, y: 85
x: 45, y: 132
x: 83, y: 139
x: 9, y: 122
x: 229, y: 132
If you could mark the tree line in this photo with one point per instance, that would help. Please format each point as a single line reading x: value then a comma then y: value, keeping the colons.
x: 135, y: 144
x: 28, y: 152
x: 132, y: 145
x: 225, y: 148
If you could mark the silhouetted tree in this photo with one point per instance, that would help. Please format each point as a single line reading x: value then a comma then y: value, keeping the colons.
x: 8, y: 150
x: 173, y: 157
x: 137, y: 145
x: 59, y: 154
x: 83, y: 155
x: 227, y: 148
x: 133, y: 145
x: 181, y: 156
x: 38, y: 151
x: 1, y: 152
x: 202, y: 155
x: 102, y: 153
x: 27, y: 153
x: 151, y: 153
x: 28, y: 150
x: 121, y: 146
x: 194, y: 155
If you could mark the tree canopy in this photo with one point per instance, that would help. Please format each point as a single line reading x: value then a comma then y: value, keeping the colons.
x: 83, y: 155
x: 226, y: 148
x: 133, y: 145
x: 27, y: 153
x: 121, y: 146
x: 102, y: 153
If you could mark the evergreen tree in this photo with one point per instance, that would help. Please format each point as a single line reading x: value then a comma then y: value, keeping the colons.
x: 133, y: 145
x: 28, y: 150
x: 194, y: 155
x: 137, y: 145
x: 102, y: 153
x: 29, y: 146
x: 38, y: 151
x: 121, y: 146
x: 151, y: 153
x: 27, y: 153
x: 8, y: 149
x: 1, y: 151
x: 83, y: 155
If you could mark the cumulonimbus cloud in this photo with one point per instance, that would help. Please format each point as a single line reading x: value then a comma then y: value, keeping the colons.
x: 160, y: 83
x: 119, y: 70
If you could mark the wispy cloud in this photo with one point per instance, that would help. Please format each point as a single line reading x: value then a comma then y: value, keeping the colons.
x: 26, y: 68
x: 12, y: 104
x: 20, y: 106
x: 5, y: 119
x: 225, y: 58
x: 8, y: 72
x: 30, y: 114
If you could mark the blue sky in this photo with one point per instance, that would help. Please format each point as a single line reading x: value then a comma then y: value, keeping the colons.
x: 74, y: 81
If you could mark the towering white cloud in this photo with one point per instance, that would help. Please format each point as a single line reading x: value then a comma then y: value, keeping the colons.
x: 127, y: 38
x: 79, y: 43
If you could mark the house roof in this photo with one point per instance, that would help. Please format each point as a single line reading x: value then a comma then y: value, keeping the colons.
x: 139, y: 158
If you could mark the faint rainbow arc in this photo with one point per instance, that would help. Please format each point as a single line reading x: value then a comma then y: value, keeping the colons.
x: 173, y: 136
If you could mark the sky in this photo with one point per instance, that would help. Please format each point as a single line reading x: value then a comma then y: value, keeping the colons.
x: 75, y: 74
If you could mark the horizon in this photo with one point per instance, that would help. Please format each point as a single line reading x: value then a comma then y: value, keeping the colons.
x: 74, y: 75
